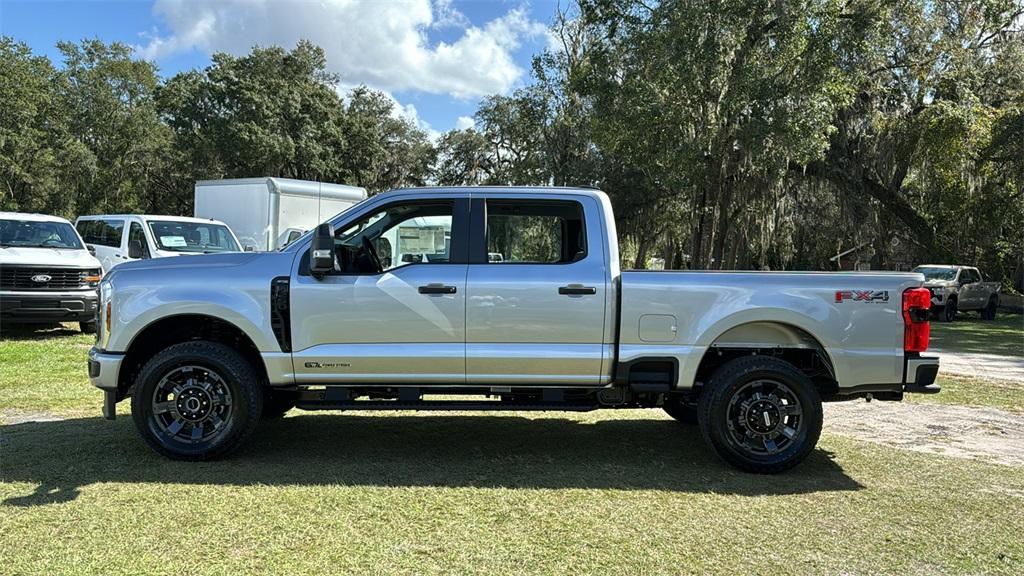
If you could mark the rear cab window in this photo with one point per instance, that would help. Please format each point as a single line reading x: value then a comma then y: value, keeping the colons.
x: 535, y: 232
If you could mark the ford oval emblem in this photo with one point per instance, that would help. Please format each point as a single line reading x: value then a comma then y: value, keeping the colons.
x: 41, y: 278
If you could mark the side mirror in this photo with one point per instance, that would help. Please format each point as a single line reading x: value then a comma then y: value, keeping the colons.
x: 91, y: 249
x: 135, y: 249
x: 250, y: 249
x: 321, y: 252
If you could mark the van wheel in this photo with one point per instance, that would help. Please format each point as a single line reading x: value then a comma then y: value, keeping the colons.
x: 991, y: 309
x: 683, y: 413
x: 196, y: 401
x: 87, y: 327
x: 760, y: 414
x: 277, y: 403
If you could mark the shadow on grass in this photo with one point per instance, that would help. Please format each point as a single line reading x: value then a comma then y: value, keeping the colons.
x: 26, y: 332
x: 60, y: 457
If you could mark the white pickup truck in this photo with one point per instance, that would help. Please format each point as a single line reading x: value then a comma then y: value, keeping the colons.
x: 400, y: 302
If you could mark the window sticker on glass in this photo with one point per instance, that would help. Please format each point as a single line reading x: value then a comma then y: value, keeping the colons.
x: 173, y: 241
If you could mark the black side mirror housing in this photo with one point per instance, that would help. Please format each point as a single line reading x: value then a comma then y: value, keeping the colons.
x: 321, y: 252
x: 135, y: 249
x: 91, y: 249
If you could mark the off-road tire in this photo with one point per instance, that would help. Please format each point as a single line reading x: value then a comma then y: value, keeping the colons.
x: 87, y: 327
x: 683, y: 412
x: 738, y: 377
x: 235, y: 375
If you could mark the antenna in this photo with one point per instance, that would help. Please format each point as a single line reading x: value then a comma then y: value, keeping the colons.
x: 319, y: 200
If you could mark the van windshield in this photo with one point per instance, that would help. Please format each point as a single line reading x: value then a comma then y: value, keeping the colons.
x: 35, y: 234
x: 175, y: 236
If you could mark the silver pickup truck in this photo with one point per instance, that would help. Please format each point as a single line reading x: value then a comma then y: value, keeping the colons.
x: 959, y: 288
x: 401, y: 302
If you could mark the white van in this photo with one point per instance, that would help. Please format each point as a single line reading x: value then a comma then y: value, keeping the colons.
x: 121, y: 238
x: 46, y: 273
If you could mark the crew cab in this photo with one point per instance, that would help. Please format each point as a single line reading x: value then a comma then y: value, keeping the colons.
x: 958, y: 288
x: 497, y: 299
x: 46, y: 273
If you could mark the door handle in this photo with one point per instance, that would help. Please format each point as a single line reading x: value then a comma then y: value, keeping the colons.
x: 437, y: 289
x: 576, y: 290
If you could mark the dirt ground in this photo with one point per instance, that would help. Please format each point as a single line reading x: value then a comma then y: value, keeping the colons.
x: 961, y: 431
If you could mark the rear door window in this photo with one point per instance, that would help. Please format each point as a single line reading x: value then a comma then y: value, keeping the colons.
x: 523, y: 232
x: 102, y: 232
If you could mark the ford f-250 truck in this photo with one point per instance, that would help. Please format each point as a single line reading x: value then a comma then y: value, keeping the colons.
x: 400, y: 303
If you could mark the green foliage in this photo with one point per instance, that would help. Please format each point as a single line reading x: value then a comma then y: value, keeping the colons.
x: 745, y: 134
x: 104, y: 134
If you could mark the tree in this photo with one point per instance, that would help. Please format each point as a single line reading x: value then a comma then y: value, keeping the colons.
x: 37, y: 151
x: 463, y: 158
x: 110, y: 113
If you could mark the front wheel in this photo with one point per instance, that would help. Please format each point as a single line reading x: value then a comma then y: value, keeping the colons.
x: 990, y: 309
x: 87, y: 327
x: 760, y: 414
x: 196, y: 401
x: 949, y: 312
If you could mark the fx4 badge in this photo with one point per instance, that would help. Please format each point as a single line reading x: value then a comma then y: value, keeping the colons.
x: 862, y: 296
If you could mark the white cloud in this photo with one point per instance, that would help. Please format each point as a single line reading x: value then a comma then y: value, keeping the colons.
x: 463, y: 122
x: 383, y: 44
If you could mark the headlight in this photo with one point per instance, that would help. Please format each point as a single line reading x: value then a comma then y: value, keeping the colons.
x: 939, y: 290
x: 103, y: 311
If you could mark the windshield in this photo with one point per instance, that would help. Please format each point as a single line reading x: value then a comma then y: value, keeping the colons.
x: 192, y: 236
x: 934, y: 273
x: 34, y: 234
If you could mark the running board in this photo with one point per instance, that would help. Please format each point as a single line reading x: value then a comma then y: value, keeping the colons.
x: 443, y: 405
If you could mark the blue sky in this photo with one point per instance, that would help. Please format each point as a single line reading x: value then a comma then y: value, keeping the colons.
x: 437, y: 58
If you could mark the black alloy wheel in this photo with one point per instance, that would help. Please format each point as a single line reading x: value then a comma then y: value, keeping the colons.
x: 197, y: 400
x: 760, y: 414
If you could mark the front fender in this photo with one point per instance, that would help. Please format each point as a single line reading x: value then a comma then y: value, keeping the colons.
x: 136, y: 308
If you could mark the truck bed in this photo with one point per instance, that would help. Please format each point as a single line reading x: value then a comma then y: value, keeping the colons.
x: 856, y: 318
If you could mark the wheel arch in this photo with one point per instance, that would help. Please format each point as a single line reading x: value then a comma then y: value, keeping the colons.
x: 174, y: 329
x: 773, y: 338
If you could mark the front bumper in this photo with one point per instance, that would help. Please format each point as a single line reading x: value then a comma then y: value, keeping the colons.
x: 42, y: 307
x: 104, y: 369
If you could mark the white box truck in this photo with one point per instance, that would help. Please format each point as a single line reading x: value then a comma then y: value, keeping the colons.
x: 268, y: 213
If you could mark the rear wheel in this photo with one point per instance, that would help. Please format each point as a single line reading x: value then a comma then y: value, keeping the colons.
x: 990, y: 309
x: 760, y: 414
x: 196, y: 401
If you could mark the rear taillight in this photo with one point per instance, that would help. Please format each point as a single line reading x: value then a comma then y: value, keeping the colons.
x: 916, y: 329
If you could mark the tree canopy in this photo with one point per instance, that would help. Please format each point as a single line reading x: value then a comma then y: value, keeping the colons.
x: 750, y: 134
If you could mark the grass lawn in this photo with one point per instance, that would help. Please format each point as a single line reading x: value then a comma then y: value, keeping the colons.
x: 964, y: 391
x: 615, y: 492
x: 1004, y: 335
x: 45, y: 370
x: 626, y: 492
